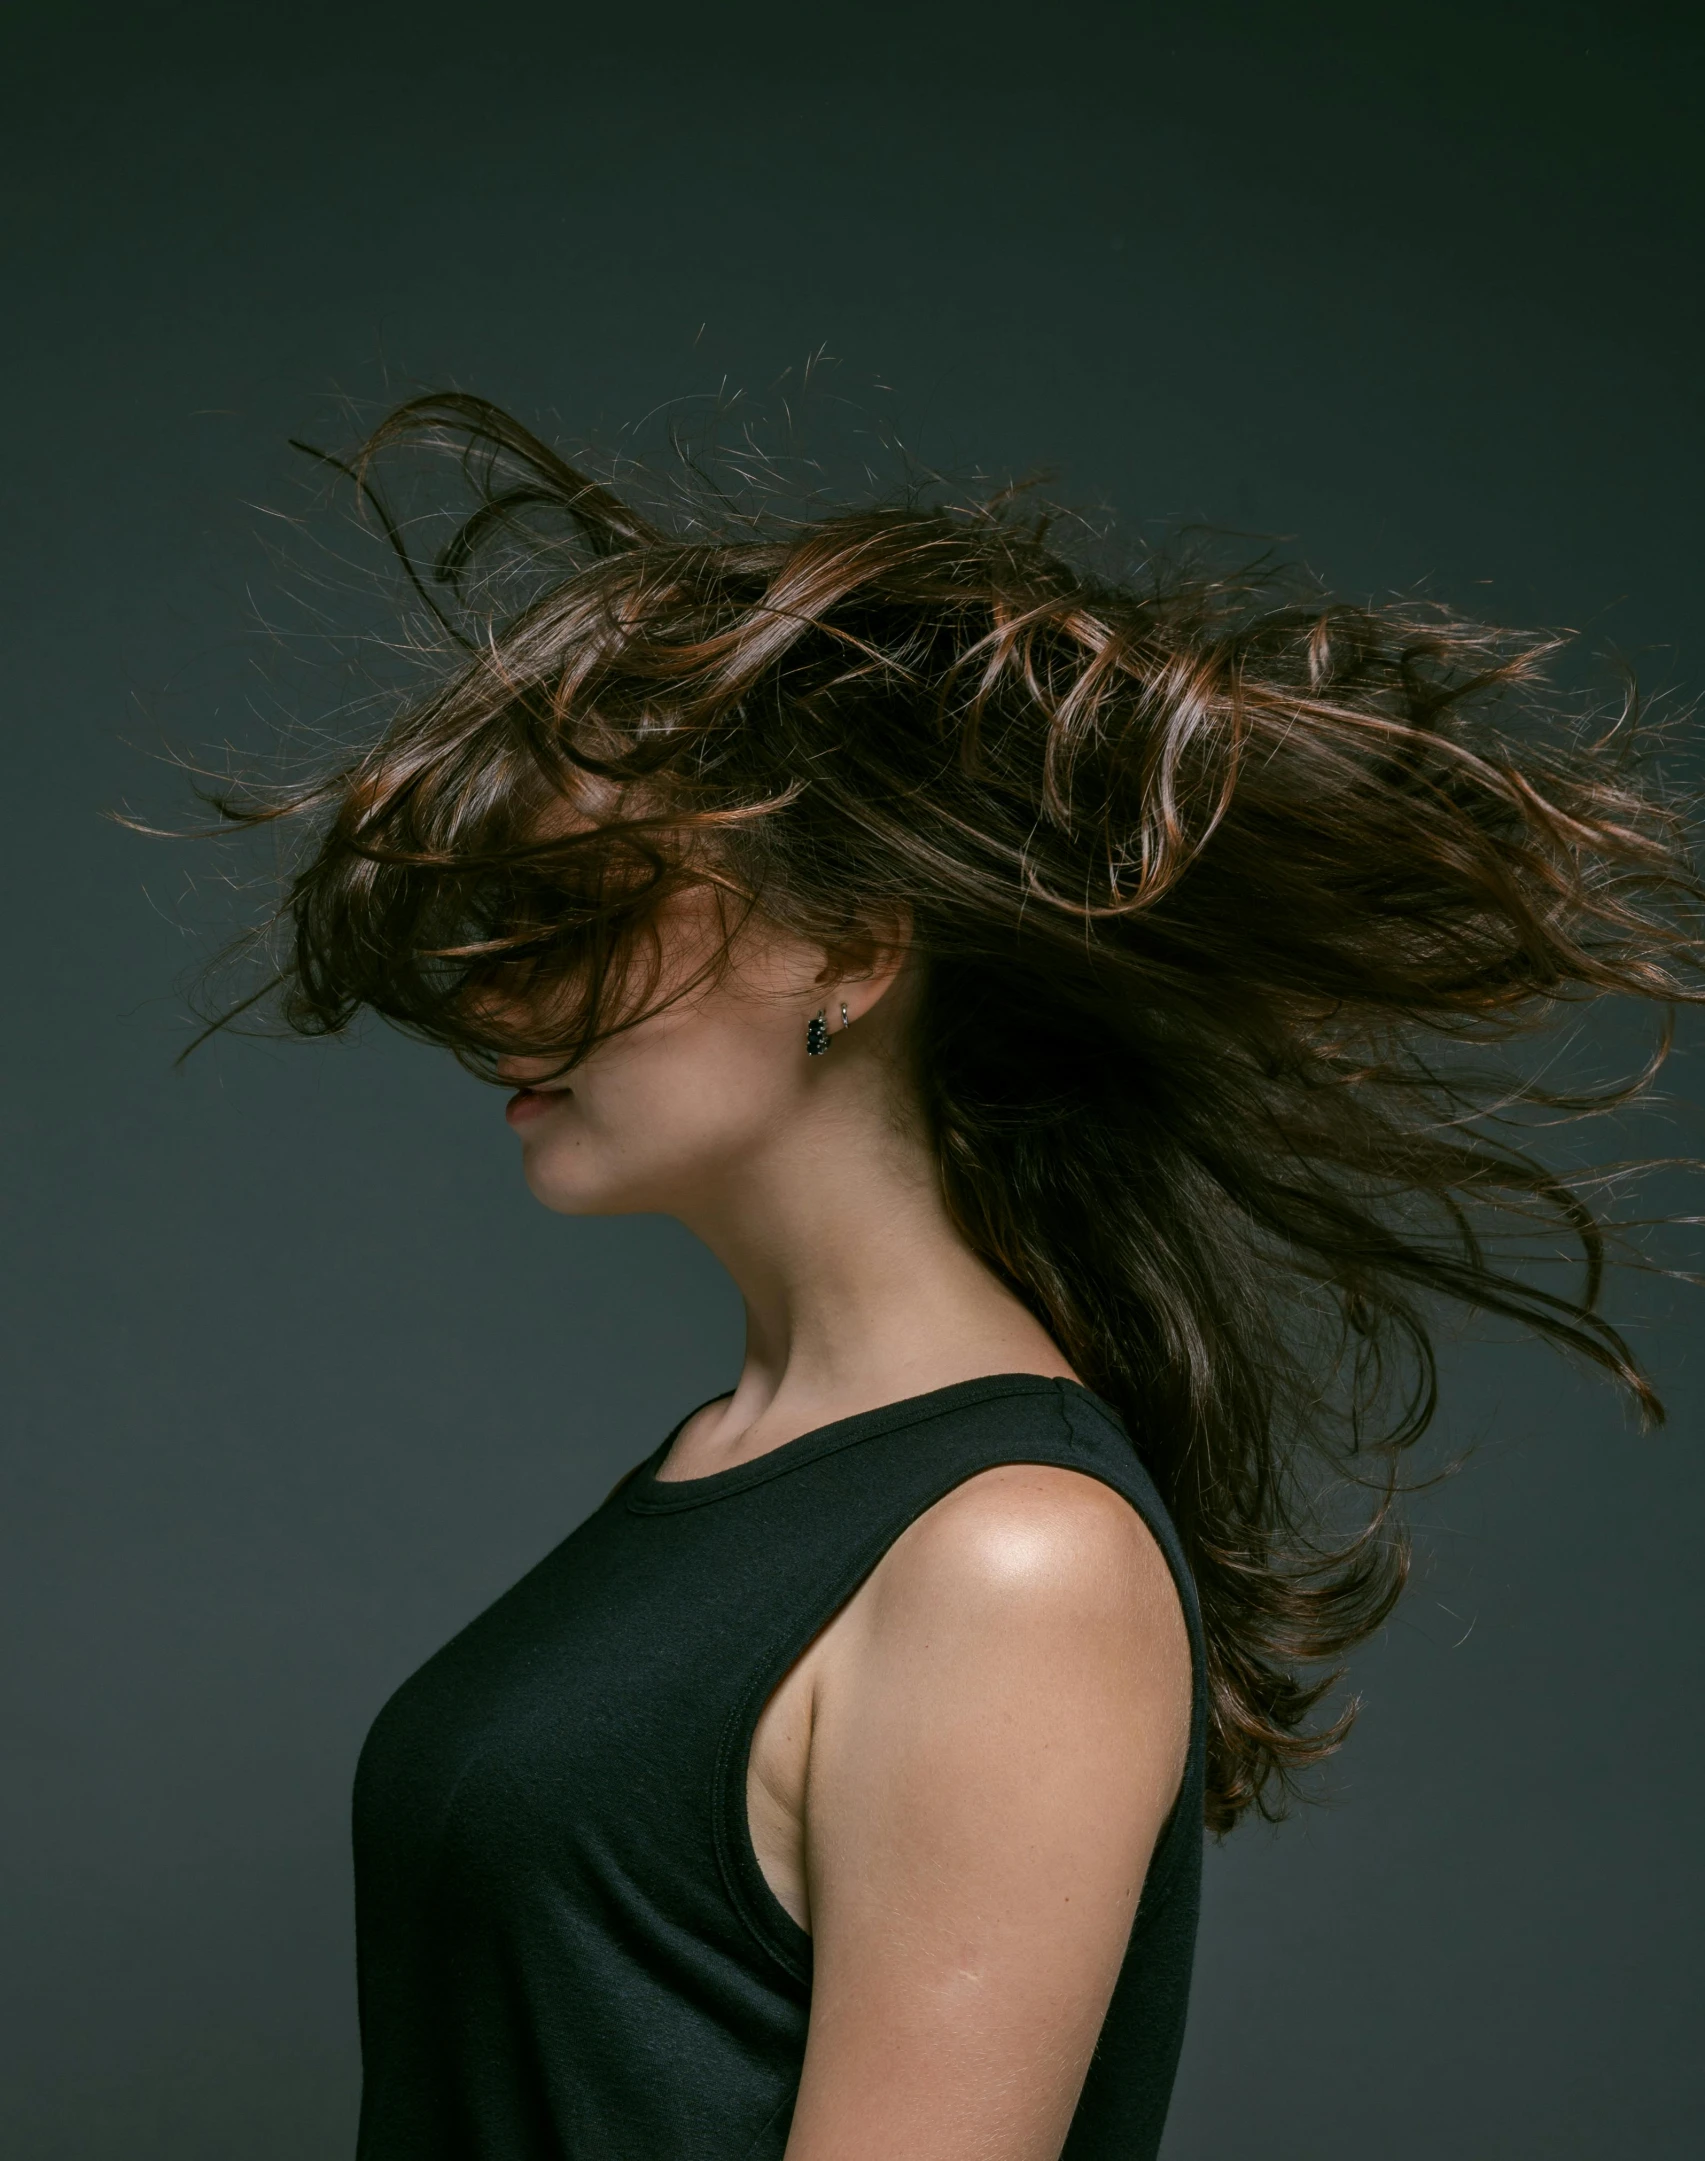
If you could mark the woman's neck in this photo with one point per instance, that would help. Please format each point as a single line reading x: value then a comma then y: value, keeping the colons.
x: 859, y: 1290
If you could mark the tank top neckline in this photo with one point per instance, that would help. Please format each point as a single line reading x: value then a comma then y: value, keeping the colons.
x: 647, y: 1494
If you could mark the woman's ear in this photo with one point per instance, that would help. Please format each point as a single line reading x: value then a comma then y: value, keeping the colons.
x: 863, y: 966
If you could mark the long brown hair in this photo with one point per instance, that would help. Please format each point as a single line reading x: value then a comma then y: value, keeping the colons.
x: 1220, y: 888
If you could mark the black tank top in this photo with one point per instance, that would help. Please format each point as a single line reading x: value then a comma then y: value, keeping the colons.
x: 567, y: 1950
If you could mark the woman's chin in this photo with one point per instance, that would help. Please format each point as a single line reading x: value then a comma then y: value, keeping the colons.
x: 571, y: 1190
x: 563, y: 1196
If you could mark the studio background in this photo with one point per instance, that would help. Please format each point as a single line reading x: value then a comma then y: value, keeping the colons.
x: 299, y: 1378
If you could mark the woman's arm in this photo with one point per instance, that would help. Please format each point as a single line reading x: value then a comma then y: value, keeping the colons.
x: 998, y: 1725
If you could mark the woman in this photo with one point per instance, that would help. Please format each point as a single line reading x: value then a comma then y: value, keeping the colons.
x: 1053, y: 998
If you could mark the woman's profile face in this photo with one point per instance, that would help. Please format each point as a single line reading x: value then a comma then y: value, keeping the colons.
x: 667, y: 1115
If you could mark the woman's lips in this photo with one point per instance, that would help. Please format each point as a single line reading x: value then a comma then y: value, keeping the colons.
x: 530, y: 1103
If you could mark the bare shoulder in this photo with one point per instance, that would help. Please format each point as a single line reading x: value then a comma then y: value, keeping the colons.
x: 1032, y: 1529
x: 1032, y: 1549
x: 1019, y: 1654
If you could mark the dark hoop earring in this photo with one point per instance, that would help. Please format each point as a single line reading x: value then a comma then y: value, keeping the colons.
x: 817, y: 1035
x: 845, y: 1023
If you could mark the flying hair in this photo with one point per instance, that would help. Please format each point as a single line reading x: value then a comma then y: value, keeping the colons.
x: 1223, y: 893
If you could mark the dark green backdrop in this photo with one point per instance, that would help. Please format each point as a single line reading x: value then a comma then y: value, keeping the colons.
x: 299, y: 1377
